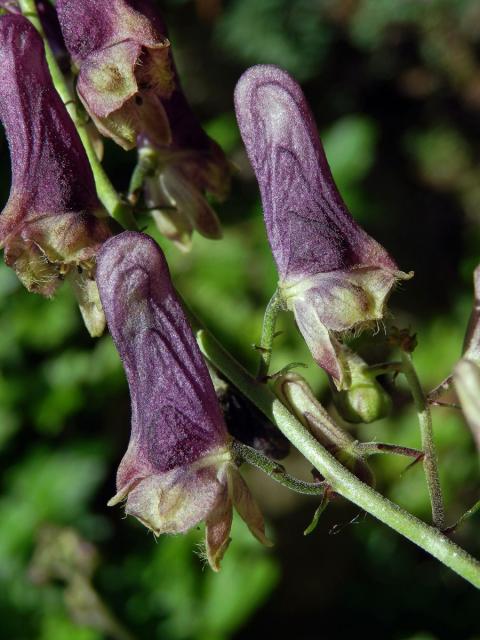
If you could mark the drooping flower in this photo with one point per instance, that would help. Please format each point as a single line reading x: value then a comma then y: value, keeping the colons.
x: 178, y: 469
x: 49, y: 228
x: 183, y: 172
x: 124, y: 67
x: 332, y: 274
x: 129, y: 85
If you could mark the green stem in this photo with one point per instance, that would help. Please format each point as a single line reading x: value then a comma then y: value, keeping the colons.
x: 276, y: 471
x: 268, y: 334
x: 440, y: 389
x: 336, y: 475
x: 146, y: 165
x: 430, y: 463
x: 116, y: 207
x: 468, y: 514
x: 373, y: 448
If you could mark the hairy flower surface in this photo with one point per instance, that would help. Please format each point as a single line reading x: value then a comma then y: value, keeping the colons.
x: 49, y: 228
x: 332, y: 274
x: 191, y: 166
x: 124, y: 67
x: 178, y: 469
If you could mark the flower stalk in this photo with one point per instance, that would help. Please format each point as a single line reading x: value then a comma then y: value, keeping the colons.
x: 430, y: 463
x: 276, y: 471
x: 338, y: 477
x: 274, y: 307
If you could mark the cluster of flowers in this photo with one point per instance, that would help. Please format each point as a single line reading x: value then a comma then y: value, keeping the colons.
x: 179, y: 468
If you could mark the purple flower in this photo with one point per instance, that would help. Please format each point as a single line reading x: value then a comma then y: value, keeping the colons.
x: 186, y: 169
x: 124, y: 67
x: 332, y: 274
x: 48, y: 229
x: 11, y: 6
x: 191, y: 166
x: 178, y: 469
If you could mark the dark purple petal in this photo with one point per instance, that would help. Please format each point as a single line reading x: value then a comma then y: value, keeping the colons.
x: 178, y: 469
x: 309, y: 227
x: 176, y: 418
x: 48, y: 226
x: 124, y: 67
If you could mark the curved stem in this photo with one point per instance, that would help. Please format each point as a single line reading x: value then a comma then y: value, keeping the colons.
x: 373, y: 448
x: 116, y: 207
x: 336, y: 475
x: 430, y: 463
x: 268, y: 334
x: 276, y: 471
x: 468, y: 514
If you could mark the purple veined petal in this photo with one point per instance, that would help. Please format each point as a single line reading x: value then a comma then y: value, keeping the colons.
x: 178, y: 468
x: 309, y: 227
x: 331, y: 272
x: 124, y: 67
x: 49, y: 228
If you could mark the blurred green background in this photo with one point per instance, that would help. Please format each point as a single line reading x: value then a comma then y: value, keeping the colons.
x: 395, y: 88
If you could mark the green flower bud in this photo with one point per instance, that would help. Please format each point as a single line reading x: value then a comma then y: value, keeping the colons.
x: 296, y: 395
x: 365, y: 401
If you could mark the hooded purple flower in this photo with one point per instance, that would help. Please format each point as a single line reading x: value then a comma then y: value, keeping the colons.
x: 124, y: 67
x: 49, y: 228
x: 130, y: 87
x: 332, y: 275
x: 178, y: 469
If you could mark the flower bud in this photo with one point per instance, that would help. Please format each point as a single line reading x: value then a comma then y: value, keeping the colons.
x: 49, y: 228
x: 124, y: 67
x: 332, y: 275
x: 178, y: 469
x: 295, y: 393
x: 365, y: 401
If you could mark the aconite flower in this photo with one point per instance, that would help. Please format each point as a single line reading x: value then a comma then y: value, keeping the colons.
x: 123, y: 67
x: 50, y: 228
x: 185, y: 171
x: 178, y: 469
x: 332, y: 274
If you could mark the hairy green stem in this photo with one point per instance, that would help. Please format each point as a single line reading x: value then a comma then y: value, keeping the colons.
x: 268, y: 333
x: 276, y: 471
x: 373, y: 448
x: 430, y: 463
x: 336, y: 475
x: 116, y: 207
x: 146, y: 165
x: 468, y: 514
